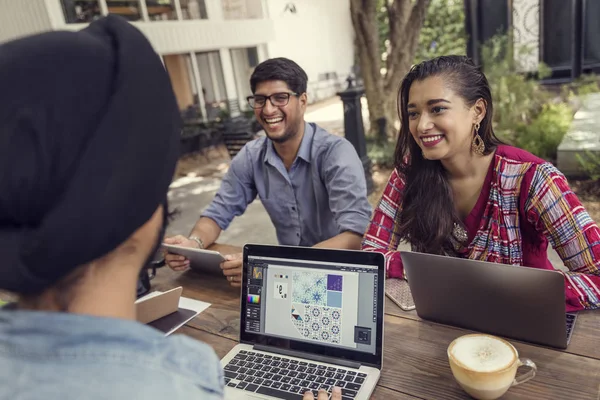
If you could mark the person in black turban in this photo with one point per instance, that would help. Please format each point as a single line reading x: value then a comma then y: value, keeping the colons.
x: 89, y: 133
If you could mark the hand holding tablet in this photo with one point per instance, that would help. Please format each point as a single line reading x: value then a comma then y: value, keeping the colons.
x: 199, y: 259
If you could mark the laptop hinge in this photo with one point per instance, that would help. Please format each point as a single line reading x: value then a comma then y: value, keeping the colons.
x: 307, y: 356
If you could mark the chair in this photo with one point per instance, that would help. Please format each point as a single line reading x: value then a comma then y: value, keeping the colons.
x: 236, y: 133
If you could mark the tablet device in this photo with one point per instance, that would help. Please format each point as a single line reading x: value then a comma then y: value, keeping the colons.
x: 201, y: 260
x: 151, y: 308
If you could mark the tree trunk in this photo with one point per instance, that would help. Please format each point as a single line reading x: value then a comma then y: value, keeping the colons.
x: 364, y: 21
x: 405, y: 19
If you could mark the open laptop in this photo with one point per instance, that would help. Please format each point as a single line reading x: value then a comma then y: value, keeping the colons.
x: 516, y: 302
x: 310, y: 319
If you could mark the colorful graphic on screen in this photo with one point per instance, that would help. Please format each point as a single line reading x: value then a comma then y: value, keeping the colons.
x: 253, y: 299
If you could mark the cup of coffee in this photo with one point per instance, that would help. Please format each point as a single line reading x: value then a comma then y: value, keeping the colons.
x: 486, y: 366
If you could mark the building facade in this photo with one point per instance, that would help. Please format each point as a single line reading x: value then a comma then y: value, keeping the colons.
x: 210, y: 47
x: 563, y: 34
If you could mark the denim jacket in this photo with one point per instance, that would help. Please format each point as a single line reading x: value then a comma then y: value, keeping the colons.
x: 51, y: 355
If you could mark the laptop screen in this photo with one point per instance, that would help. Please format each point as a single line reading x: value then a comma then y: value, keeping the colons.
x: 333, y: 304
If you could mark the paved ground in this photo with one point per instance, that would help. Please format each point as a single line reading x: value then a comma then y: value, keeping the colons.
x: 583, y: 136
x: 192, y: 193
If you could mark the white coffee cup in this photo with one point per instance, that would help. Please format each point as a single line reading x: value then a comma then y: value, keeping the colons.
x: 485, y: 366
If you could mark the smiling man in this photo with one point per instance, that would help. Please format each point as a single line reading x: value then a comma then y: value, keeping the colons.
x: 311, y: 182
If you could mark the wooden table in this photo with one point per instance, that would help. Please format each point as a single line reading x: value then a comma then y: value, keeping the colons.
x: 415, y: 364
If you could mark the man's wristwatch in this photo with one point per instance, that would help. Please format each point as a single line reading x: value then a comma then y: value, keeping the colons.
x: 197, y: 240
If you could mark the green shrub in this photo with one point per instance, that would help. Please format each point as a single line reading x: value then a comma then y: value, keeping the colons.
x: 525, y: 113
x: 517, y: 99
x: 545, y: 132
x: 442, y: 33
x: 582, y: 86
x: 381, y: 154
x: 590, y: 163
x: 443, y: 30
x: 586, y: 84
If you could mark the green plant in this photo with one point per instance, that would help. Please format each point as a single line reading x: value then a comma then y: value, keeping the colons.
x: 443, y: 31
x: 590, y: 164
x: 223, y: 114
x: 517, y: 99
x: 586, y: 84
x: 381, y: 154
x: 525, y: 113
x: 545, y: 132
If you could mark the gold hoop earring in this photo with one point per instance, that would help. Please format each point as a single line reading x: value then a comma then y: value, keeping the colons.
x: 477, y: 145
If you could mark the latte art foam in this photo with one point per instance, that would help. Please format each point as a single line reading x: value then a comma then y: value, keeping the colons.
x: 483, y: 353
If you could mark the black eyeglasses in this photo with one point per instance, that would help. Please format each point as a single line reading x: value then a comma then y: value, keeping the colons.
x: 277, y: 99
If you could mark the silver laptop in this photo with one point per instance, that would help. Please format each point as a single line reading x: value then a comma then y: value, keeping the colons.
x: 310, y: 319
x: 516, y: 302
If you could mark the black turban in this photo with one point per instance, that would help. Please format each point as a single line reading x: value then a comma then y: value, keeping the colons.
x: 89, y: 133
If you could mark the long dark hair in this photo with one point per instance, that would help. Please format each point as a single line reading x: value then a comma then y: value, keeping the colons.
x: 427, y: 217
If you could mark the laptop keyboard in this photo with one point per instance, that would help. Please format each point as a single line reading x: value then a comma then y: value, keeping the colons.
x: 287, y: 378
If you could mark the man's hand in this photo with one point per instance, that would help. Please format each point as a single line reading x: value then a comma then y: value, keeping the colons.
x: 175, y: 261
x: 232, y: 269
x: 336, y: 394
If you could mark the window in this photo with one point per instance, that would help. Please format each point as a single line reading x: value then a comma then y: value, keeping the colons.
x: 161, y: 10
x: 193, y: 9
x: 252, y: 56
x: 557, y: 27
x: 180, y: 71
x: 242, y: 9
x: 244, y: 61
x: 81, y: 11
x: 591, y: 45
x: 213, y: 83
x: 494, y: 19
x: 129, y: 9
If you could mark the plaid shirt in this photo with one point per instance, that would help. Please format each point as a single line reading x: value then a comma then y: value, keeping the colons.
x: 525, y: 204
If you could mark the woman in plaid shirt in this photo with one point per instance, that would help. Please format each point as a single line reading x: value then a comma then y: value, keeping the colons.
x: 458, y: 191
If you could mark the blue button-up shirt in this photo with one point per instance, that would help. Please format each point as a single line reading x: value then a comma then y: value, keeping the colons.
x: 52, y: 355
x: 322, y: 195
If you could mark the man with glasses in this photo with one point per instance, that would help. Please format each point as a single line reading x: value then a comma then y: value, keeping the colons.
x: 311, y: 182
